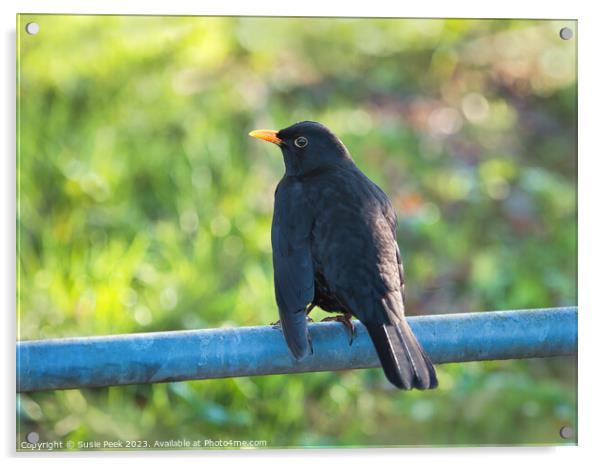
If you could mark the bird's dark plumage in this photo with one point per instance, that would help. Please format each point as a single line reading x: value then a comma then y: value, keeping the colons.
x: 334, y: 245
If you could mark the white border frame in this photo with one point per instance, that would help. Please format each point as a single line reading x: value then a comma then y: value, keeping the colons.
x: 590, y: 227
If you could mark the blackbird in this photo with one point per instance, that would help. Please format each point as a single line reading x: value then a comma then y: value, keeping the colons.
x: 334, y: 246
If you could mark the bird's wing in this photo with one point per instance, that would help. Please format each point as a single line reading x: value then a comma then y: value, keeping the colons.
x: 391, y: 217
x: 401, y: 278
x: 293, y: 268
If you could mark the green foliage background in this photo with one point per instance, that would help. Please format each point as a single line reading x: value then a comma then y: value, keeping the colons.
x: 144, y: 206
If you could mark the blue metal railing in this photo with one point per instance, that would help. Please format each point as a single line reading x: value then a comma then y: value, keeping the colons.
x: 234, y: 352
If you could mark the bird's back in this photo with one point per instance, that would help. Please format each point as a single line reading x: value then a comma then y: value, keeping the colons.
x: 353, y: 241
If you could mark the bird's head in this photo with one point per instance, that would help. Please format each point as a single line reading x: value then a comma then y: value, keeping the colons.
x: 306, y: 146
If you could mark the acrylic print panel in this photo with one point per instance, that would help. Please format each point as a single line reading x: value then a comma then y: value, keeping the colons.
x: 143, y: 206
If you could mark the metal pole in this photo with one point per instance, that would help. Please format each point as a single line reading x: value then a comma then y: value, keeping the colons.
x: 235, y: 352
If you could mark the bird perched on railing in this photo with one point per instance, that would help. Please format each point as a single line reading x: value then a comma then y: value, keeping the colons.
x: 334, y: 246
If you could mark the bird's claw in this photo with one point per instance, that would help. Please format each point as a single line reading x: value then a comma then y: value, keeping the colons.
x: 352, y: 332
x: 345, y: 319
x: 311, y: 346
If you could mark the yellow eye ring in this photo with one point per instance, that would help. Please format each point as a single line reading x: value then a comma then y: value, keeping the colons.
x: 301, y: 142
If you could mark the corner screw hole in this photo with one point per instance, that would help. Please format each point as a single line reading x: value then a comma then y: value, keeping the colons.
x: 32, y: 28
x: 566, y: 33
x: 566, y: 432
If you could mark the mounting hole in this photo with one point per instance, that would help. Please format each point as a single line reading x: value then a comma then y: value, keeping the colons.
x: 566, y: 33
x: 32, y: 28
x: 566, y: 432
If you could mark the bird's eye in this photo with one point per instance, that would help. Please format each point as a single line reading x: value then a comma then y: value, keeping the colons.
x: 301, y: 141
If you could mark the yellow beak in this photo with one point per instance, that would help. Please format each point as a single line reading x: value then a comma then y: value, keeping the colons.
x: 267, y: 135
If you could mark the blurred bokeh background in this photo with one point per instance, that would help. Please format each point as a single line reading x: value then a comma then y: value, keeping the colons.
x: 144, y: 206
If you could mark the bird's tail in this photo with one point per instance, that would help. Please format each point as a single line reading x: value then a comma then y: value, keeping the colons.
x: 405, y: 363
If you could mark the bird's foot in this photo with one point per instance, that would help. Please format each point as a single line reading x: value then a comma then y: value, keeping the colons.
x: 345, y: 319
